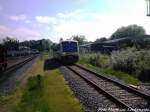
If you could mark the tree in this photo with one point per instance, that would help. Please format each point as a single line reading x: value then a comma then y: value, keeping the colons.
x: 129, y: 31
x: 101, y: 39
x: 11, y: 43
x: 80, y: 38
x: 41, y: 45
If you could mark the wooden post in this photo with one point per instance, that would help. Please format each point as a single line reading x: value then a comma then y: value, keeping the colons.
x: 39, y: 79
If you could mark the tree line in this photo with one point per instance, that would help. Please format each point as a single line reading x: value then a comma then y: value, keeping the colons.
x: 134, y: 32
x: 40, y: 45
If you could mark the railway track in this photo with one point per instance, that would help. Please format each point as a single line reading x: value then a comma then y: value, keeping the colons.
x: 14, y: 60
x: 5, y: 74
x: 123, y: 95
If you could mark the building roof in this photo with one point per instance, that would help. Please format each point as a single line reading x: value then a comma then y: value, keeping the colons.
x: 68, y: 41
x: 116, y: 40
x: 113, y: 41
x: 86, y: 45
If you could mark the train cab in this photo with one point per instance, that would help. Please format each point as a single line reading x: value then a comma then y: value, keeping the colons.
x: 69, y: 51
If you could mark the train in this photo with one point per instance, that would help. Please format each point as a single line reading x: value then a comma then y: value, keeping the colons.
x: 67, y: 51
x: 21, y: 51
x: 6, y: 54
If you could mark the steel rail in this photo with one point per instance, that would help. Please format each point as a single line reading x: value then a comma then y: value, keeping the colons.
x: 124, y: 86
x: 5, y: 74
x: 111, y: 97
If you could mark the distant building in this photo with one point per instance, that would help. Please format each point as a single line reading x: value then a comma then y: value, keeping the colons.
x: 116, y: 44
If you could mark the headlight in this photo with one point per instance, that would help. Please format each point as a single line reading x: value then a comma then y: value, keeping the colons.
x: 63, y: 53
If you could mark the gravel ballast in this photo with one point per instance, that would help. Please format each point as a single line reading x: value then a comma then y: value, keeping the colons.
x: 91, y: 100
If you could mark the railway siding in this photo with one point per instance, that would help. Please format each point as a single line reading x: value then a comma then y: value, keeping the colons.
x: 53, y: 94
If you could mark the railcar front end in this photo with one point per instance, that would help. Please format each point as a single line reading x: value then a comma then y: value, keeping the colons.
x: 69, y: 51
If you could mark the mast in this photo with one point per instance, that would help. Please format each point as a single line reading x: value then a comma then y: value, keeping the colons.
x: 148, y: 7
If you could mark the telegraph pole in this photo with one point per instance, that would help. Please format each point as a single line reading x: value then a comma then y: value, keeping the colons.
x: 148, y: 7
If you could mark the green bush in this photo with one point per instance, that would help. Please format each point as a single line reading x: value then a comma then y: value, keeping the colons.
x: 132, y: 61
x: 97, y: 59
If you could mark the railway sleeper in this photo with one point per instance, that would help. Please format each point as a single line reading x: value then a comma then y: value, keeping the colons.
x: 110, y: 90
x: 106, y: 88
x: 134, y: 101
x: 137, y: 104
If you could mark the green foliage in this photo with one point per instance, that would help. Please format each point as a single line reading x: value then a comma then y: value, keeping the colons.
x: 101, y: 39
x: 17, y: 82
x: 96, y: 59
x: 54, y: 47
x: 80, y: 38
x: 41, y: 45
x: 11, y: 43
x: 51, y: 95
x: 33, y: 98
x: 9, y: 40
x: 58, y: 93
x: 120, y: 75
x: 129, y: 31
x: 133, y: 61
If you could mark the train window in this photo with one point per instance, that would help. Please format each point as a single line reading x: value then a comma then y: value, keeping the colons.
x: 69, y: 47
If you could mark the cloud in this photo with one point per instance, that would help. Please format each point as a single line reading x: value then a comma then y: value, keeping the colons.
x: 78, y: 14
x: 21, y: 33
x: 28, y: 21
x: 21, y: 17
x: 26, y: 34
x: 91, y: 23
x: 3, y: 32
x: 46, y: 19
x: 94, y: 24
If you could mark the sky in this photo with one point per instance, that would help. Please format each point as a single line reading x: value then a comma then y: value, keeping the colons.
x: 55, y: 19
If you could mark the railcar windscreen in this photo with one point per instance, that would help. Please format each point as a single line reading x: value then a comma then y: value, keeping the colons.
x: 69, y: 46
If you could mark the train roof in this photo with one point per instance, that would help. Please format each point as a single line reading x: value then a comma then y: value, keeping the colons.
x: 68, y: 41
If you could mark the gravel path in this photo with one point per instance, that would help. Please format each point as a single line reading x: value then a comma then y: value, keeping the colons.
x: 91, y: 100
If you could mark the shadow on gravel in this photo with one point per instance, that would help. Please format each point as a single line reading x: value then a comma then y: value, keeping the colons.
x: 51, y: 64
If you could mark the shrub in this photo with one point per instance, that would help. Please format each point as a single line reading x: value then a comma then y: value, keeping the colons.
x: 97, y: 59
x: 132, y: 61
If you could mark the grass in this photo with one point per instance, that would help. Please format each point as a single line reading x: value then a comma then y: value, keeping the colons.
x: 62, y: 98
x: 120, y: 75
x: 32, y: 99
x: 52, y: 94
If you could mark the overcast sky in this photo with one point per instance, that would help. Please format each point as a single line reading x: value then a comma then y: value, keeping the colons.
x: 36, y: 19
